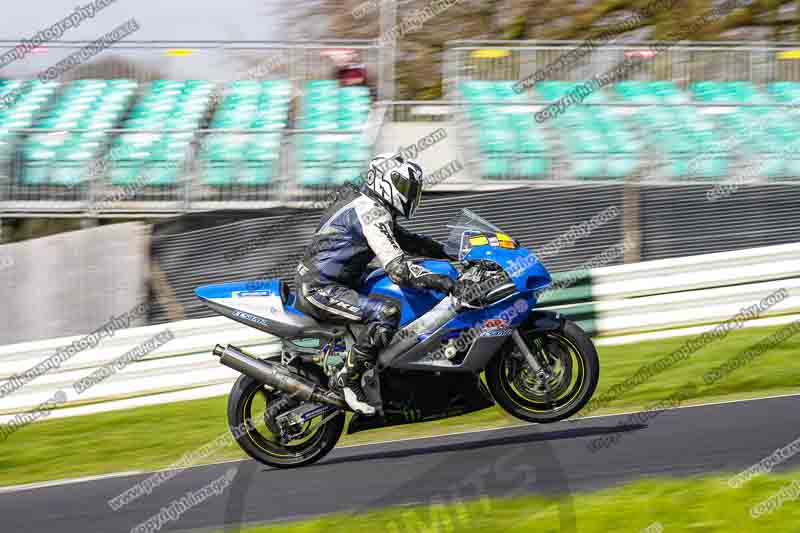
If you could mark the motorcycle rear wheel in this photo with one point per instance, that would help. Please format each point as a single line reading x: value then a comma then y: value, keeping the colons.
x: 248, y: 401
x: 575, y: 370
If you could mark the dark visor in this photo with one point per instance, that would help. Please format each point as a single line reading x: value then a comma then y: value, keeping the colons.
x: 410, y: 189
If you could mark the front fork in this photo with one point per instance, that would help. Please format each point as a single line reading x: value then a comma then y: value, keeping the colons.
x: 541, y: 368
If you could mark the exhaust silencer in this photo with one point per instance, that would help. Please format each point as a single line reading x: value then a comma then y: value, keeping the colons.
x: 275, y: 376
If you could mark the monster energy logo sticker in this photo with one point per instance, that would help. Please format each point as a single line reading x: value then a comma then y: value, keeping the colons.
x: 412, y: 415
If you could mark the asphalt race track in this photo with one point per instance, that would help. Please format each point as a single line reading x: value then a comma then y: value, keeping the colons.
x: 554, y: 459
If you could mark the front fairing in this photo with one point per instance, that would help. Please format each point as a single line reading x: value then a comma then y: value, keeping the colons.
x: 472, y: 237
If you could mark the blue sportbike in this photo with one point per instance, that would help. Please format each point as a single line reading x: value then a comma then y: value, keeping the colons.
x: 538, y: 366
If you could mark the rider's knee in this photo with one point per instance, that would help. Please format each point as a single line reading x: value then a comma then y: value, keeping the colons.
x: 382, y: 312
x: 389, y: 313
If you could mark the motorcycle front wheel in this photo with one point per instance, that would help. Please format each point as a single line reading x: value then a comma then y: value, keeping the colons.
x: 573, y: 369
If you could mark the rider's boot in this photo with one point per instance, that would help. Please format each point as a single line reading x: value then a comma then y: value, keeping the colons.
x: 348, y: 380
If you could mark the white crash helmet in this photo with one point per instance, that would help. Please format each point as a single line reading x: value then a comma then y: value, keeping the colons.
x: 396, y: 181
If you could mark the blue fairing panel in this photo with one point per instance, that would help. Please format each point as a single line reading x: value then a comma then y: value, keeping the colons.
x: 413, y: 302
x: 240, y: 288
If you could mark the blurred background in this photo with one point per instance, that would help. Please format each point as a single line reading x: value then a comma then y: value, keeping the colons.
x: 202, y: 145
x: 645, y: 150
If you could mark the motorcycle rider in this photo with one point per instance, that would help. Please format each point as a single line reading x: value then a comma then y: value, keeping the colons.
x: 360, y: 225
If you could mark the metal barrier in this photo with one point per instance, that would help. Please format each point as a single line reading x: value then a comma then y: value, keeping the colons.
x: 682, y: 63
x: 642, y: 297
x: 220, y: 61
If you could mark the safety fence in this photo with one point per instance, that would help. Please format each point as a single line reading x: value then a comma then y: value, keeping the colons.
x: 683, y: 63
x: 750, y: 284
x: 219, y: 61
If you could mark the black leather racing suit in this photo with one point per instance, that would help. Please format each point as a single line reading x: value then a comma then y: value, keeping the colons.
x: 355, y: 229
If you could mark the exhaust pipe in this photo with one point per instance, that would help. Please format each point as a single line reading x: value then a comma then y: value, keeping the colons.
x: 276, y: 376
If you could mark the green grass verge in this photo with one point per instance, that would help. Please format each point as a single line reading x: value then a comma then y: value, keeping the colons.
x: 704, y: 504
x: 149, y: 438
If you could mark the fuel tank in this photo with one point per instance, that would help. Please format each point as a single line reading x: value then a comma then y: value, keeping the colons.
x: 413, y: 303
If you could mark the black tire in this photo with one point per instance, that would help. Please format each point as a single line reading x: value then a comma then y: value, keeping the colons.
x: 255, y: 441
x: 514, y: 390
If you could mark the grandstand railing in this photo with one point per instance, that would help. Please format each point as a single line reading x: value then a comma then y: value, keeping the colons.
x: 206, y: 60
x: 682, y: 63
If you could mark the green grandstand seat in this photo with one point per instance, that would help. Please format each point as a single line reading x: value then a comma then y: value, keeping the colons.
x: 352, y: 115
x: 351, y: 125
x: 764, y: 156
x: 267, y: 141
x: 230, y: 121
x: 314, y: 172
x: 331, y: 159
x: 221, y: 163
x: 165, y: 84
x: 705, y: 142
x: 164, y: 164
x: 477, y: 113
x: 243, y: 158
x: 588, y: 165
x: 258, y: 165
x: 36, y: 163
x: 629, y: 88
x: 785, y: 91
x: 328, y: 85
x: 354, y: 96
x: 496, y: 165
x: 504, y: 90
x: 553, y: 89
x: 346, y: 173
x: 268, y: 124
x: 316, y: 148
x: 532, y: 167
x: 530, y: 140
x: 71, y: 164
x: 621, y: 164
x: 126, y: 171
x: 57, y: 123
x: 678, y: 152
x: 496, y: 139
x: 623, y: 152
x: 219, y: 172
x: 319, y: 123
x: 475, y: 87
x: 704, y: 90
x: 742, y: 91
x: 351, y: 148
